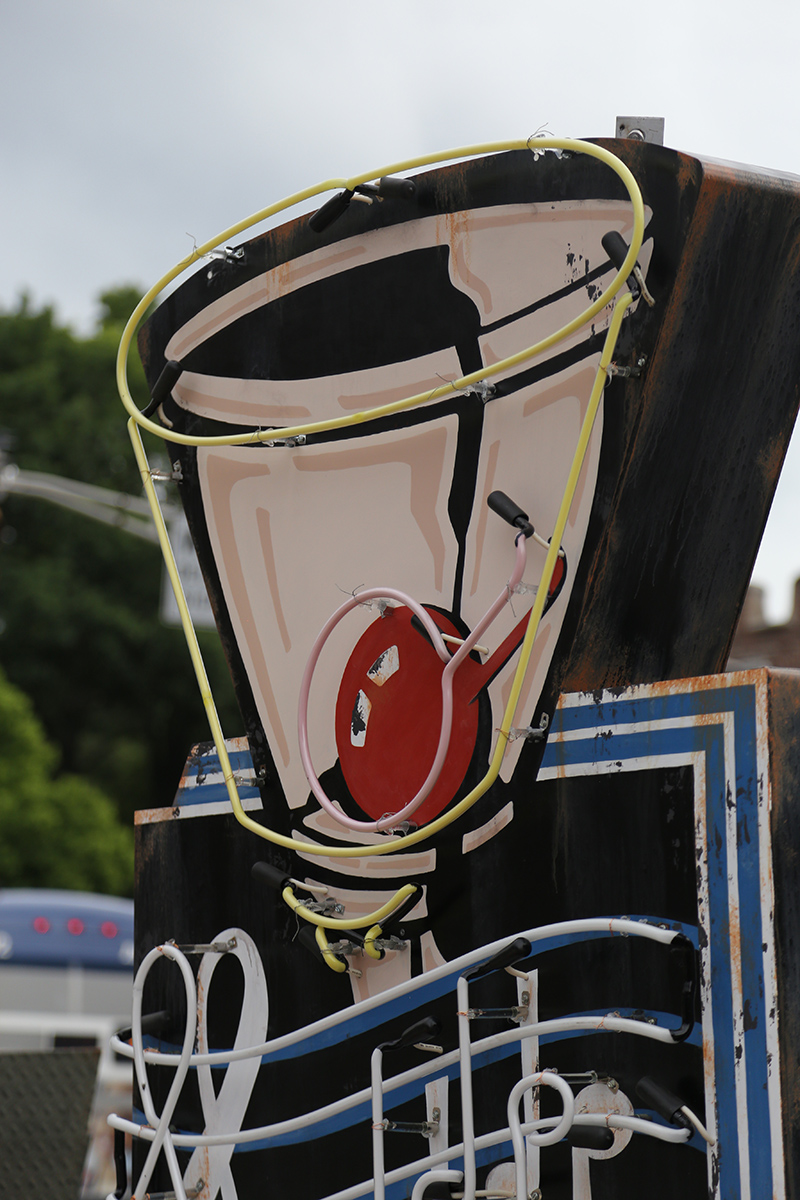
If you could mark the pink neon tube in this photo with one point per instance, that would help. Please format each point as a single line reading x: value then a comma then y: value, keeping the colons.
x: 452, y: 663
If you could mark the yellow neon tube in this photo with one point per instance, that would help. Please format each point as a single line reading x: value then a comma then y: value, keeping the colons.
x: 456, y: 385
x: 330, y: 958
x: 323, y: 921
x: 356, y: 851
x: 370, y: 949
x: 481, y: 788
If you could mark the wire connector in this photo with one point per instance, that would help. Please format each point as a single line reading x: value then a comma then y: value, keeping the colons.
x: 627, y: 372
x: 484, y: 390
x: 300, y: 440
x: 531, y: 733
x: 206, y: 947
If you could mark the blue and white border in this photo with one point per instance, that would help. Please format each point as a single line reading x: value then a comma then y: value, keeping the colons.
x: 718, y: 726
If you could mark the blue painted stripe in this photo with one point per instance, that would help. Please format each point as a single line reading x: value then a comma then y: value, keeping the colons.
x: 208, y: 793
x: 414, y: 1089
x: 752, y: 938
x: 720, y: 952
x: 209, y: 764
x: 407, y: 1004
x: 640, y: 710
x: 601, y: 747
x: 193, y: 788
x: 608, y: 747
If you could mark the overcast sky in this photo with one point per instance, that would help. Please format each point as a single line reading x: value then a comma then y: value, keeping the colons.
x: 128, y: 126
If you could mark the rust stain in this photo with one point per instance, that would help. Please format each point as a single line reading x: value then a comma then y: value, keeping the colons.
x: 153, y: 816
x: 205, y: 1173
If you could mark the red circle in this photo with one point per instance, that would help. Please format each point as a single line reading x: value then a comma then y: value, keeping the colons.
x: 109, y: 929
x: 75, y: 926
x: 41, y: 924
x: 401, y: 711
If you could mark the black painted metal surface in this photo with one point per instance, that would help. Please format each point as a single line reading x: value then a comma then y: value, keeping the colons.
x: 691, y: 453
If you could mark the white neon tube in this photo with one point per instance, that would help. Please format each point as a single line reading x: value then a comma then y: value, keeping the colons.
x: 487, y: 1140
x: 549, y: 1138
x: 378, y: 1169
x: 161, y: 1134
x: 430, y: 1177
x: 603, y: 1024
x: 467, y: 1114
x: 608, y: 925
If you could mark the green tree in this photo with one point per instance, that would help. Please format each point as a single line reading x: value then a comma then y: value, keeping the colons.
x: 55, y: 831
x: 78, y: 600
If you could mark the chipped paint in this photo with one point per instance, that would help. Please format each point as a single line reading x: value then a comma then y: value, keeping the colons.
x: 360, y: 719
x: 384, y: 666
x: 654, y: 599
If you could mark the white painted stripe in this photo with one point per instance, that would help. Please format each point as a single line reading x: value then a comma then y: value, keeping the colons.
x: 768, y: 941
x: 689, y: 721
x: 246, y: 778
x: 623, y: 767
x: 181, y: 812
x: 704, y: 923
x: 726, y: 720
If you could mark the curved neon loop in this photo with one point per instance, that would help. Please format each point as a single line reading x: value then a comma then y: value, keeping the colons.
x: 160, y: 1123
x: 137, y: 422
x: 456, y: 385
x: 160, y: 1135
x: 331, y: 960
x: 600, y: 926
x: 451, y: 666
x: 323, y: 921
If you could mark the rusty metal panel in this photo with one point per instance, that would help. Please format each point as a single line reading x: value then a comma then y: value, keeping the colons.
x: 694, y: 444
x: 784, y: 791
x: 671, y: 803
x: 649, y: 801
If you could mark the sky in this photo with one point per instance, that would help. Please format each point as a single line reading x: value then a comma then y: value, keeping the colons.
x: 129, y: 130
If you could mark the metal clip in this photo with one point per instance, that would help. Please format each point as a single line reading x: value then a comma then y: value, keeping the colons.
x: 243, y: 780
x: 517, y: 1013
x: 344, y: 946
x: 401, y: 830
x: 482, y: 389
x: 391, y: 943
x: 222, y: 258
x: 627, y: 372
x: 324, y: 907
x: 530, y: 733
x: 584, y: 1078
x: 300, y: 440
x: 427, y: 1129
x: 205, y: 947
x: 228, y: 254
x: 174, y: 476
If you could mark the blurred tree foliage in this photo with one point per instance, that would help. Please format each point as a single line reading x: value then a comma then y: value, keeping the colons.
x: 54, y: 832
x: 80, y: 633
